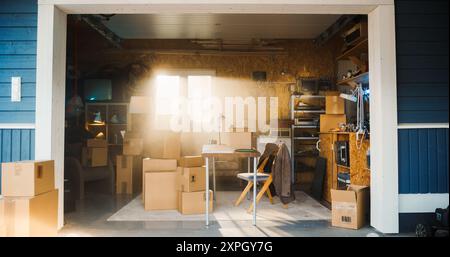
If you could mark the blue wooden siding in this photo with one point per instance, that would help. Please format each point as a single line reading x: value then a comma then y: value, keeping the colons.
x: 423, y: 161
x: 422, y: 60
x: 18, y: 29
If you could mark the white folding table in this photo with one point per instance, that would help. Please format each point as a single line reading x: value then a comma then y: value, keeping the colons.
x: 214, y: 151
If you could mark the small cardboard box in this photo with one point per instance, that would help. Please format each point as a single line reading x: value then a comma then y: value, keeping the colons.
x: 349, y: 207
x: 331, y: 121
x: 96, y: 143
x: 192, y: 179
x: 194, y: 202
x: 334, y: 105
x: 35, y: 216
x: 192, y: 161
x: 237, y: 139
x: 160, y: 190
x: 150, y: 164
x: 128, y: 174
x: 27, y: 178
x: 133, y: 146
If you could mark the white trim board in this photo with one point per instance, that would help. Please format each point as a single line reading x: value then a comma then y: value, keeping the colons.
x: 422, y: 125
x: 421, y: 203
x: 17, y: 126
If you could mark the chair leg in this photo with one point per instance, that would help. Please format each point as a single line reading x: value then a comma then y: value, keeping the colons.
x: 264, y: 188
x: 269, y: 194
x: 243, y: 194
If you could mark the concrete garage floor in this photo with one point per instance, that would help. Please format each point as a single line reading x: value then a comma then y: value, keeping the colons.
x: 92, y: 213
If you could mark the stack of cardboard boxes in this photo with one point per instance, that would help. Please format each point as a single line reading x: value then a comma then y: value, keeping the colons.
x: 95, y: 154
x: 129, y: 165
x: 29, y: 206
x: 191, y: 186
x: 334, y: 112
x: 160, y: 175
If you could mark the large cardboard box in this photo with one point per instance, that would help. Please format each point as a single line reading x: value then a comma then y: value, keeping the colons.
x: 27, y: 178
x: 194, y: 202
x: 2, y: 218
x: 237, y: 139
x: 160, y: 190
x: 94, y: 156
x: 349, y: 208
x: 334, y: 105
x: 331, y: 121
x: 31, y: 216
x: 96, y: 143
x: 150, y: 164
x: 128, y: 174
x: 192, y: 179
x: 191, y: 161
x: 132, y: 145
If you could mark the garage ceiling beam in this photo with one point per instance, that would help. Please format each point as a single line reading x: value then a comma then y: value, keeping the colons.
x: 337, y: 26
x: 96, y: 23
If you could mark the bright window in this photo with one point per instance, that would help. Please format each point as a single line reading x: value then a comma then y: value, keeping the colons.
x: 167, y: 93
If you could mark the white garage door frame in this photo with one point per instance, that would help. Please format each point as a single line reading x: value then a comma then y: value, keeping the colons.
x: 51, y: 61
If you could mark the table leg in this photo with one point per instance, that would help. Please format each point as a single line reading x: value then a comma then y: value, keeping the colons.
x: 214, y: 177
x: 207, y: 191
x: 254, y: 191
x: 248, y: 171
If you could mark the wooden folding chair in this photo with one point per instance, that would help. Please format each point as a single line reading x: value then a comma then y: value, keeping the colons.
x: 261, y: 177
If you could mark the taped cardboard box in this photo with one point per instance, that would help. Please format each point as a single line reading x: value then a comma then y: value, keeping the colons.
x: 350, y: 207
x: 194, y: 202
x: 35, y: 216
x: 334, y: 104
x: 192, y: 179
x: 330, y: 122
x: 94, y: 156
x: 150, y: 164
x: 191, y: 161
x: 128, y: 174
x: 27, y: 178
x: 160, y: 190
x: 96, y: 143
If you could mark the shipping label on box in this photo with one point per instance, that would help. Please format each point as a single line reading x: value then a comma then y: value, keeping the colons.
x: 27, y: 178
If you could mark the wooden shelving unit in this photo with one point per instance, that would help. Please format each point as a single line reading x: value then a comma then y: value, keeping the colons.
x: 362, y: 78
x: 357, y: 50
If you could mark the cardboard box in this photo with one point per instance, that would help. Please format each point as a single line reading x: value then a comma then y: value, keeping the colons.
x: 27, y: 178
x: 96, y: 143
x: 191, y: 161
x: 149, y: 164
x: 94, y: 156
x: 334, y: 105
x: 331, y: 121
x: 160, y: 190
x: 128, y: 174
x: 194, y: 202
x: 237, y: 139
x: 172, y: 147
x: 2, y: 218
x: 192, y: 179
x: 133, y: 146
x: 349, y: 207
x: 31, y: 216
